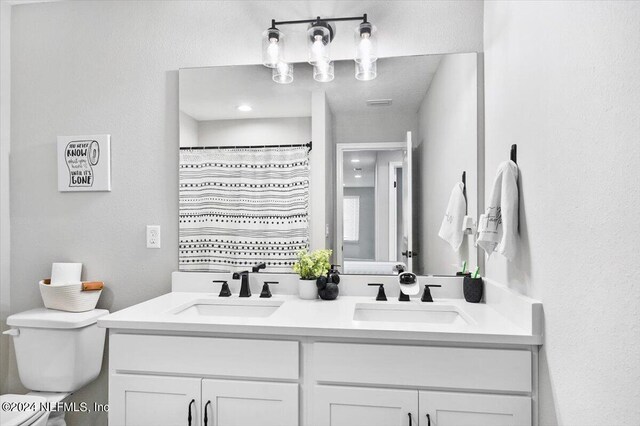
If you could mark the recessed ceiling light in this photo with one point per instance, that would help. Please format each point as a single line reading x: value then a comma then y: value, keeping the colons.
x: 355, y: 160
x: 358, y: 176
x: 244, y: 108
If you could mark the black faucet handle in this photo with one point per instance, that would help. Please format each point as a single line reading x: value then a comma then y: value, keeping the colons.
x: 426, y: 295
x: 258, y: 267
x: 382, y: 296
x: 224, y: 290
x: 266, y: 291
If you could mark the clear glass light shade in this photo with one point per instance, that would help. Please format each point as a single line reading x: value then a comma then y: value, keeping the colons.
x: 323, y: 72
x: 365, y: 43
x: 366, y: 70
x: 272, y: 47
x: 319, y: 42
x: 282, y: 73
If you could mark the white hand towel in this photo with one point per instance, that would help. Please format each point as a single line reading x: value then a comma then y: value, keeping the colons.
x: 451, y: 229
x: 498, y: 226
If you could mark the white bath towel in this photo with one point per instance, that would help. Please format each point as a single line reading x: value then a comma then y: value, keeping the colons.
x: 498, y: 226
x: 451, y: 228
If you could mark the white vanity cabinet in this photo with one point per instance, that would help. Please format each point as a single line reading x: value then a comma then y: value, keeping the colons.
x: 308, y: 381
x: 348, y: 406
x: 139, y: 400
x: 468, y: 409
x: 237, y: 403
x: 154, y: 378
x: 479, y: 377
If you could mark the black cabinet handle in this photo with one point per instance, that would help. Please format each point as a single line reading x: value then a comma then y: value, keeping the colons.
x: 410, y: 420
x: 189, y: 417
x: 428, y: 420
x: 206, y: 416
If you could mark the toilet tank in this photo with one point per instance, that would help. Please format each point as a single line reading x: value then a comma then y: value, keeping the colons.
x: 57, y: 351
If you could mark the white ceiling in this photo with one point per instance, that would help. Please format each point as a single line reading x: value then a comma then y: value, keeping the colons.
x: 367, y: 163
x: 214, y: 93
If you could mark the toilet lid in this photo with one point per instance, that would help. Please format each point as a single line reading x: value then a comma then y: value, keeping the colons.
x: 22, y: 409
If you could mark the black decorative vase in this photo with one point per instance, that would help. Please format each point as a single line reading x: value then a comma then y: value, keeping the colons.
x: 330, y: 292
x: 472, y: 288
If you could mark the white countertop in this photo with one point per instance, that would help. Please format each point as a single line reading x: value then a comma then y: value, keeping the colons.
x: 319, y: 318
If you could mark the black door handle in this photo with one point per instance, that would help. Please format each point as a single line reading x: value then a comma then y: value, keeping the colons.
x: 428, y: 420
x: 189, y: 417
x: 410, y: 420
x: 206, y: 416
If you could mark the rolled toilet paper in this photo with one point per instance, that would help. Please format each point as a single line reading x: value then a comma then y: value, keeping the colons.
x: 62, y: 273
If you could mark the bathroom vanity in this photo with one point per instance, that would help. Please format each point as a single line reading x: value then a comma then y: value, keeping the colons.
x: 352, y: 361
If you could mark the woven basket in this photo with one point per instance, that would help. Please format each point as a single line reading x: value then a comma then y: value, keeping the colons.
x: 68, y: 297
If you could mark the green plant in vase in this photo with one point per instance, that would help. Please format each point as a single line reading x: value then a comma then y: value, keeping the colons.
x: 312, y: 265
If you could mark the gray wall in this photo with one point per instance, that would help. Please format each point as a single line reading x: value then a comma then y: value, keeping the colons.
x: 5, y: 131
x: 111, y: 67
x: 365, y: 247
x: 562, y: 81
x: 448, y: 136
x: 256, y: 131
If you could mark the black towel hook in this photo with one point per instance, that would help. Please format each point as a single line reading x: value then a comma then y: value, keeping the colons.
x: 514, y: 153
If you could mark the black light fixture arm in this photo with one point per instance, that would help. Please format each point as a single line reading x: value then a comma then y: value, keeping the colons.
x: 274, y: 23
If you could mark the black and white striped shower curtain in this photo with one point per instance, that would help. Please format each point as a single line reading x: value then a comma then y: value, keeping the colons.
x: 243, y: 206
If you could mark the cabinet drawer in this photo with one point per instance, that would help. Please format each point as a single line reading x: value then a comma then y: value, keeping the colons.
x: 204, y: 356
x: 420, y: 366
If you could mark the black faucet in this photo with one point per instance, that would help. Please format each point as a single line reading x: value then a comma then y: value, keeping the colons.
x: 245, y: 290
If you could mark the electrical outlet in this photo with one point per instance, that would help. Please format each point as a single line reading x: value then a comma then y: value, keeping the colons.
x: 153, y: 236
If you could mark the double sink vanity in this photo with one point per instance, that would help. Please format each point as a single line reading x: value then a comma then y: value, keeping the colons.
x: 359, y: 167
x: 351, y: 361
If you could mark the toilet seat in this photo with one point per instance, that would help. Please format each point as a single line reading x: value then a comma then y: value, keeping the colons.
x: 26, y: 417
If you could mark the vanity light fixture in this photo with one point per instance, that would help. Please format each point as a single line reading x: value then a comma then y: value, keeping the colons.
x: 355, y: 160
x: 357, y: 176
x: 366, y: 56
x: 244, y: 108
x: 320, y: 34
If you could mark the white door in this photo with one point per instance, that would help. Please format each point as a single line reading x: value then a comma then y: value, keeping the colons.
x: 151, y: 400
x: 352, y: 406
x: 460, y: 409
x: 242, y: 403
x: 407, y: 207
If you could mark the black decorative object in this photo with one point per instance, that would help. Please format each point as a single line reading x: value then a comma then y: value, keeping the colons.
x: 472, y: 288
x: 321, y: 283
x: 328, y: 286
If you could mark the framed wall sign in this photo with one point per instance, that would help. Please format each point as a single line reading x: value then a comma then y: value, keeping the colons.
x: 84, y: 163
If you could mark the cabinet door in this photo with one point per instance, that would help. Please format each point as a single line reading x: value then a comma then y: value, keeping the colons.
x: 152, y: 400
x: 352, y: 406
x: 242, y: 403
x: 460, y: 409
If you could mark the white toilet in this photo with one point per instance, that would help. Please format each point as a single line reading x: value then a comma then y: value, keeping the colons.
x: 57, y: 353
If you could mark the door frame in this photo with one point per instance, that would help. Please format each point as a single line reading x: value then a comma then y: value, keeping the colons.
x: 341, y: 148
x: 393, y: 208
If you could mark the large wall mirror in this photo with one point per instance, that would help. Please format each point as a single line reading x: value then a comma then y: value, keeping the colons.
x: 374, y: 188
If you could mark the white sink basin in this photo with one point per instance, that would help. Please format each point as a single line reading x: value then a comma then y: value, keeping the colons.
x: 235, y: 308
x: 423, y: 313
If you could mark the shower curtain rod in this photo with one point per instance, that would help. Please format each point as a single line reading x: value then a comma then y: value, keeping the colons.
x: 308, y: 145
